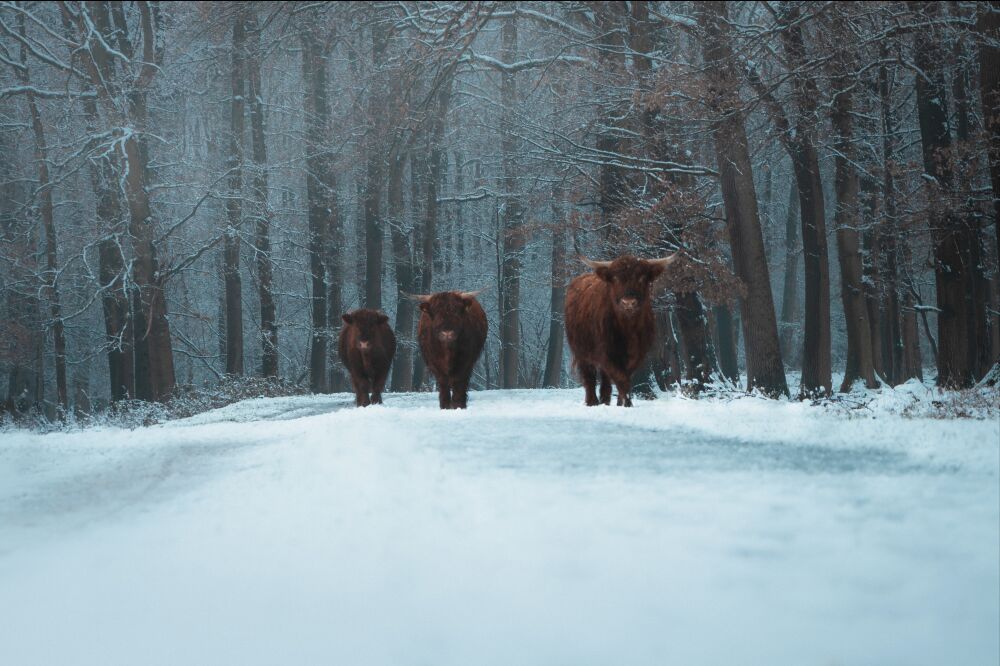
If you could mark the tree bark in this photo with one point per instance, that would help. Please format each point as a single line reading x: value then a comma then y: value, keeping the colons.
x: 512, y: 234
x: 816, y: 362
x: 725, y: 344
x: 46, y: 209
x: 988, y: 26
x: 760, y: 328
x: 402, y: 365
x: 790, y: 287
x: 891, y: 242
x: 374, y: 234
x: 949, y: 241
x: 320, y: 192
x: 846, y: 221
x: 234, y: 204
x: 557, y: 297
x: 262, y: 211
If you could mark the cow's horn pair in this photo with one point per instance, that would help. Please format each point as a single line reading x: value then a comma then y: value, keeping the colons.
x: 423, y: 298
x: 662, y: 262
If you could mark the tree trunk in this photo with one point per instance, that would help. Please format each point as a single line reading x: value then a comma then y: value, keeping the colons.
x: 760, y: 328
x: 402, y: 365
x: 698, y: 355
x: 846, y: 220
x: 947, y: 234
x: 374, y: 234
x: 557, y: 298
x: 977, y: 283
x: 790, y: 288
x: 892, y: 315
x: 728, y: 363
x: 988, y: 26
x: 262, y: 212
x: 320, y: 192
x: 816, y: 364
x: 46, y: 209
x: 512, y: 234
x: 234, y: 205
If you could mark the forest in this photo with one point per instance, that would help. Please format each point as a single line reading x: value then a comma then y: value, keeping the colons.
x: 193, y: 193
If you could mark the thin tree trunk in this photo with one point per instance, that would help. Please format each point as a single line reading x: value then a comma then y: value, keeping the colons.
x: 512, y: 234
x: 402, y: 365
x: 374, y: 234
x: 234, y: 204
x: 790, y: 288
x: 262, y: 212
x: 892, y: 315
x: 760, y: 328
x: 846, y: 221
x: 46, y: 209
x: 320, y: 189
x: 728, y: 364
x: 557, y: 297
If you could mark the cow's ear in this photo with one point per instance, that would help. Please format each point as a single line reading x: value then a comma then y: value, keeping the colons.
x: 425, y: 307
x: 347, y: 318
x: 655, y: 271
x: 603, y: 272
x: 383, y: 318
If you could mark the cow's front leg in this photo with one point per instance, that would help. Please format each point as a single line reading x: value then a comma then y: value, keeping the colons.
x: 460, y: 393
x: 624, y: 391
x: 444, y: 394
x: 605, y: 389
x: 361, y: 390
x: 377, y: 387
x: 588, y: 374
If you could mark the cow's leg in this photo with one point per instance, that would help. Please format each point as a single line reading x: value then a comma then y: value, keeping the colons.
x: 377, y: 387
x: 361, y: 390
x: 588, y: 374
x: 460, y: 393
x: 624, y: 390
x: 444, y: 394
x: 605, y: 388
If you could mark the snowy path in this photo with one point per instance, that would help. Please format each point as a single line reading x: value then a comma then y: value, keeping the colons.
x: 526, y: 530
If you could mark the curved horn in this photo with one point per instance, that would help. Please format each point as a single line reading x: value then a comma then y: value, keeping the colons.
x: 422, y: 298
x: 663, y: 262
x: 470, y: 294
x: 595, y: 264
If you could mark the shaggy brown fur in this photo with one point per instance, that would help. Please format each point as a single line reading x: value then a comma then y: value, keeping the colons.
x: 609, y: 324
x: 451, y: 332
x: 367, y: 346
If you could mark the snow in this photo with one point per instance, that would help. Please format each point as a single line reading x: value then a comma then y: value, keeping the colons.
x: 528, y: 529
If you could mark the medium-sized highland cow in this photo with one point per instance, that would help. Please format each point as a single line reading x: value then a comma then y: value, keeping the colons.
x: 367, y: 346
x: 609, y: 323
x: 451, y: 332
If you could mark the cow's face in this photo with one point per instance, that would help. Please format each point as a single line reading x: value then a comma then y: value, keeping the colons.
x: 447, y: 312
x: 629, y: 280
x: 366, y: 323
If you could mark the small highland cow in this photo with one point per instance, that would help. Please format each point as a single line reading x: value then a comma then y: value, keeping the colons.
x: 451, y: 332
x: 367, y: 346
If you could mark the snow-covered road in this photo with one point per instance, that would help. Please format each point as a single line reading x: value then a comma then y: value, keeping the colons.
x: 526, y: 530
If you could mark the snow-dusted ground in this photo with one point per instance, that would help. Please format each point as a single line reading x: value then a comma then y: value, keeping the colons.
x: 526, y: 530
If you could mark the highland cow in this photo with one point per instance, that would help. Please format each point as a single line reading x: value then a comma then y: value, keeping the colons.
x: 609, y: 323
x: 451, y: 332
x: 367, y: 346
